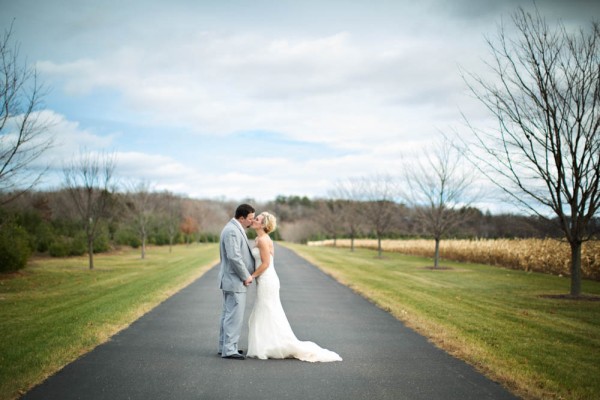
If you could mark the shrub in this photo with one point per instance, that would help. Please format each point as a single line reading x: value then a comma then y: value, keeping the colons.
x: 60, y: 247
x: 78, y: 245
x: 127, y: 237
x: 44, y: 236
x: 14, y: 247
x: 102, y: 242
x: 63, y: 246
x: 159, y: 238
x: 208, y: 237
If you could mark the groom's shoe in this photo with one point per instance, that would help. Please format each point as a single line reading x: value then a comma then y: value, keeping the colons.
x: 236, y: 357
x: 239, y: 351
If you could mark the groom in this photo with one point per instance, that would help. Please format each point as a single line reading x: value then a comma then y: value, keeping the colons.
x: 237, y: 263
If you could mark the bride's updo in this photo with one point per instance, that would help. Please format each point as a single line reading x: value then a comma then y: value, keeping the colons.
x: 269, y: 222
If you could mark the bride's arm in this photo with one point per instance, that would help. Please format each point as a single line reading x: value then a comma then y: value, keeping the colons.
x: 265, y: 258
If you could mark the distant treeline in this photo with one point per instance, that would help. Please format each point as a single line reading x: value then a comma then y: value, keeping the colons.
x: 304, y: 219
x: 46, y: 223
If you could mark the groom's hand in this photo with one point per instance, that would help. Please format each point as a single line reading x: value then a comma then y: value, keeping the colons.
x: 248, y: 281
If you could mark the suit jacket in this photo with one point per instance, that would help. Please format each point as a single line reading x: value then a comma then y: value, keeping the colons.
x: 237, y: 262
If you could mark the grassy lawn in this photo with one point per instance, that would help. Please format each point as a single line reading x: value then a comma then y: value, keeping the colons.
x: 495, y: 319
x: 57, y: 309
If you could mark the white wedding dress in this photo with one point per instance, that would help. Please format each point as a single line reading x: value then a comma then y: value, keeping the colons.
x: 270, y: 334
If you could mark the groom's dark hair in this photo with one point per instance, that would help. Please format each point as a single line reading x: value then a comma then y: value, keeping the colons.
x: 243, y: 210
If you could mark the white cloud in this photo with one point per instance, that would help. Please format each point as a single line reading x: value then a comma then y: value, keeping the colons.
x: 335, y: 90
x: 69, y: 138
x: 361, y: 83
x: 70, y: 141
x: 150, y: 167
x: 331, y: 89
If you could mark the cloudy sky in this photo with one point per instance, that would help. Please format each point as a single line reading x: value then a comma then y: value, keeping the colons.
x: 254, y: 99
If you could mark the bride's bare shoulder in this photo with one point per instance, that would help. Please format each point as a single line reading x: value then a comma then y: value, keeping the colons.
x: 265, y: 242
x: 261, y: 242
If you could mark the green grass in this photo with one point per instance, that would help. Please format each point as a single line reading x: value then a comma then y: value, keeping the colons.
x: 495, y: 319
x: 57, y: 309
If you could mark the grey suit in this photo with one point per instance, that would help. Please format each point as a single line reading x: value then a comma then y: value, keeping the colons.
x: 236, y: 266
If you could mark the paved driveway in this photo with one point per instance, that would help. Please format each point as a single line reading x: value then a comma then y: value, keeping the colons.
x: 170, y: 353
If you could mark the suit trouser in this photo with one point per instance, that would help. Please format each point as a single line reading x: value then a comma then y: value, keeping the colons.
x: 232, y: 318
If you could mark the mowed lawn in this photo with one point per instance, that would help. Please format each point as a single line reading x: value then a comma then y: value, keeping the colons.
x: 496, y: 319
x: 55, y: 310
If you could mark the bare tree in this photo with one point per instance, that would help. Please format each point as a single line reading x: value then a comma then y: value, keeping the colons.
x: 171, y: 215
x: 23, y: 132
x: 196, y: 215
x: 329, y: 216
x: 379, y: 208
x: 348, y: 194
x: 88, y: 180
x: 438, y: 187
x: 142, y: 207
x: 545, y: 96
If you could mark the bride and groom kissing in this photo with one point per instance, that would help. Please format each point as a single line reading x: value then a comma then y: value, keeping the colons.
x: 270, y: 334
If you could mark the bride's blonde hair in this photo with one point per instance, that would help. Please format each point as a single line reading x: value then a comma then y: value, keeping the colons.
x: 269, y: 222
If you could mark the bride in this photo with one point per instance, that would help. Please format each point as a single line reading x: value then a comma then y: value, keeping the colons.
x: 270, y: 334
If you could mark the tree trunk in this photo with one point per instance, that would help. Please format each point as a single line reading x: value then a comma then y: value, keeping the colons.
x: 352, y: 243
x: 91, y: 251
x: 379, y: 246
x: 575, y: 268
x: 143, y: 248
x: 436, y: 258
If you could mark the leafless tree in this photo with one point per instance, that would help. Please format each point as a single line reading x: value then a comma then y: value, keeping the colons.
x: 23, y: 131
x: 379, y: 207
x: 329, y: 217
x: 171, y: 215
x: 545, y: 96
x: 300, y: 231
x: 439, y: 189
x: 88, y: 180
x: 348, y: 194
x: 142, y: 205
x: 196, y: 215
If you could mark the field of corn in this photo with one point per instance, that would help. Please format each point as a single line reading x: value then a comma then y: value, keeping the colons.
x: 539, y: 255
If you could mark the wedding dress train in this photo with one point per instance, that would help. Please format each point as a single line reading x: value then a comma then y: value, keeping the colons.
x: 270, y: 334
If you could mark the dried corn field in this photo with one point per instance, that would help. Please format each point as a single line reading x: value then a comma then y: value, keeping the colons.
x: 540, y: 255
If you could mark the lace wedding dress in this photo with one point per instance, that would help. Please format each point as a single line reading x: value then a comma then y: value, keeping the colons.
x: 270, y: 334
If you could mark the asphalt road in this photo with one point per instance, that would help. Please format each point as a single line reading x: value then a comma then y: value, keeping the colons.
x: 171, y: 352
